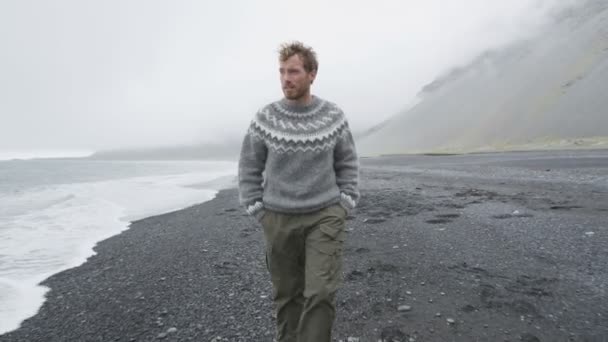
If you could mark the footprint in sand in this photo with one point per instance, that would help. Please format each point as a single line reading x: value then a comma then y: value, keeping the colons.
x: 448, y: 215
x: 565, y: 207
x: 507, y: 216
x: 468, y: 308
x: 527, y: 337
x: 523, y: 307
x: 355, y: 275
x: 443, y: 218
x: 393, y: 334
x: 438, y: 221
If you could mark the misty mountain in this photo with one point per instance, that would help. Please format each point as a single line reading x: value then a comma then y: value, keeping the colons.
x: 551, y: 87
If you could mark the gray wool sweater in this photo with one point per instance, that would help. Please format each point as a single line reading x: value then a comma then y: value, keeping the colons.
x: 298, y: 159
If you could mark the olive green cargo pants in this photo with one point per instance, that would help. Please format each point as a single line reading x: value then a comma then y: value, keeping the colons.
x: 304, y: 257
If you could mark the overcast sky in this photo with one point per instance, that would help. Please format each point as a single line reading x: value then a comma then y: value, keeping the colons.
x: 89, y: 75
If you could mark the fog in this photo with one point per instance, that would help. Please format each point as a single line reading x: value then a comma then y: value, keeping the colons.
x: 89, y: 75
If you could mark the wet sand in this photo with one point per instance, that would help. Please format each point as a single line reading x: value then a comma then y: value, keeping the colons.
x: 481, y: 247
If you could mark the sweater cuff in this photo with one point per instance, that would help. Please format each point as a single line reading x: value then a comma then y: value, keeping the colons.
x: 347, y: 202
x: 256, y: 210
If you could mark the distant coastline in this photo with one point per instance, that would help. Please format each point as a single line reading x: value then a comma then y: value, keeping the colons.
x: 221, y: 151
x: 44, y: 154
x: 230, y: 151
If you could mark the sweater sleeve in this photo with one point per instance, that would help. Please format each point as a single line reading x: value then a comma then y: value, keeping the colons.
x: 252, y: 163
x: 346, y: 166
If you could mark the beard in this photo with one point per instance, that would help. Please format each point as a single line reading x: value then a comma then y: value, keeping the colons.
x: 295, y: 93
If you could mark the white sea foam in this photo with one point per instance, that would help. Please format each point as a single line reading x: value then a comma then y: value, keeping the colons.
x: 33, y: 154
x: 49, y: 229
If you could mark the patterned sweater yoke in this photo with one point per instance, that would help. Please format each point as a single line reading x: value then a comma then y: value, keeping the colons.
x: 298, y: 159
x: 290, y: 129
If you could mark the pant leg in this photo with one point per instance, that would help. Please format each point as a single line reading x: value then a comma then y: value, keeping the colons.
x: 285, y: 260
x: 324, y: 245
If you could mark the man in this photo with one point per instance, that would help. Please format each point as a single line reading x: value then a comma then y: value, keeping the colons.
x: 298, y: 175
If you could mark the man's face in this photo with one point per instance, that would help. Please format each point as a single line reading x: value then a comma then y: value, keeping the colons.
x: 295, y: 80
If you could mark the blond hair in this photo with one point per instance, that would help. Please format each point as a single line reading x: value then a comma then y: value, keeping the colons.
x: 306, y: 53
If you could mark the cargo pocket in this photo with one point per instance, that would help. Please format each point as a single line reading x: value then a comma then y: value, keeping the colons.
x: 335, y: 233
x: 324, y: 259
x: 330, y: 240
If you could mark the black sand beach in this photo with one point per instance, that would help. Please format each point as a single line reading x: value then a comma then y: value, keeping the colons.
x: 482, y: 247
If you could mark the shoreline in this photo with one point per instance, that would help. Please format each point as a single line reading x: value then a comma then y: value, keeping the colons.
x: 502, y: 256
x: 34, y: 291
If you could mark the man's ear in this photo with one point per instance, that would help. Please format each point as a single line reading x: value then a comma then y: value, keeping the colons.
x: 313, y: 75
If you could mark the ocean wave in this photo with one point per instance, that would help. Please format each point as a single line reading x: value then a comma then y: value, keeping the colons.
x: 47, y: 230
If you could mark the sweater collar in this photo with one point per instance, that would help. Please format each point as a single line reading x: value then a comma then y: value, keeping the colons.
x: 300, y: 109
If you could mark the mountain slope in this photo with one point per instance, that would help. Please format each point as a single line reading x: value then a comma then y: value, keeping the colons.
x: 551, y: 87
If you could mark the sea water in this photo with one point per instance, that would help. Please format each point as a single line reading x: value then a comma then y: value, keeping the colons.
x: 54, y: 211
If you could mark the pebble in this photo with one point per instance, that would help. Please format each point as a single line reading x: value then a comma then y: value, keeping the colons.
x: 422, y: 283
x: 450, y: 321
x: 171, y: 330
x: 438, y: 314
x: 352, y: 339
x: 161, y: 336
x: 408, y: 292
x: 403, y: 308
